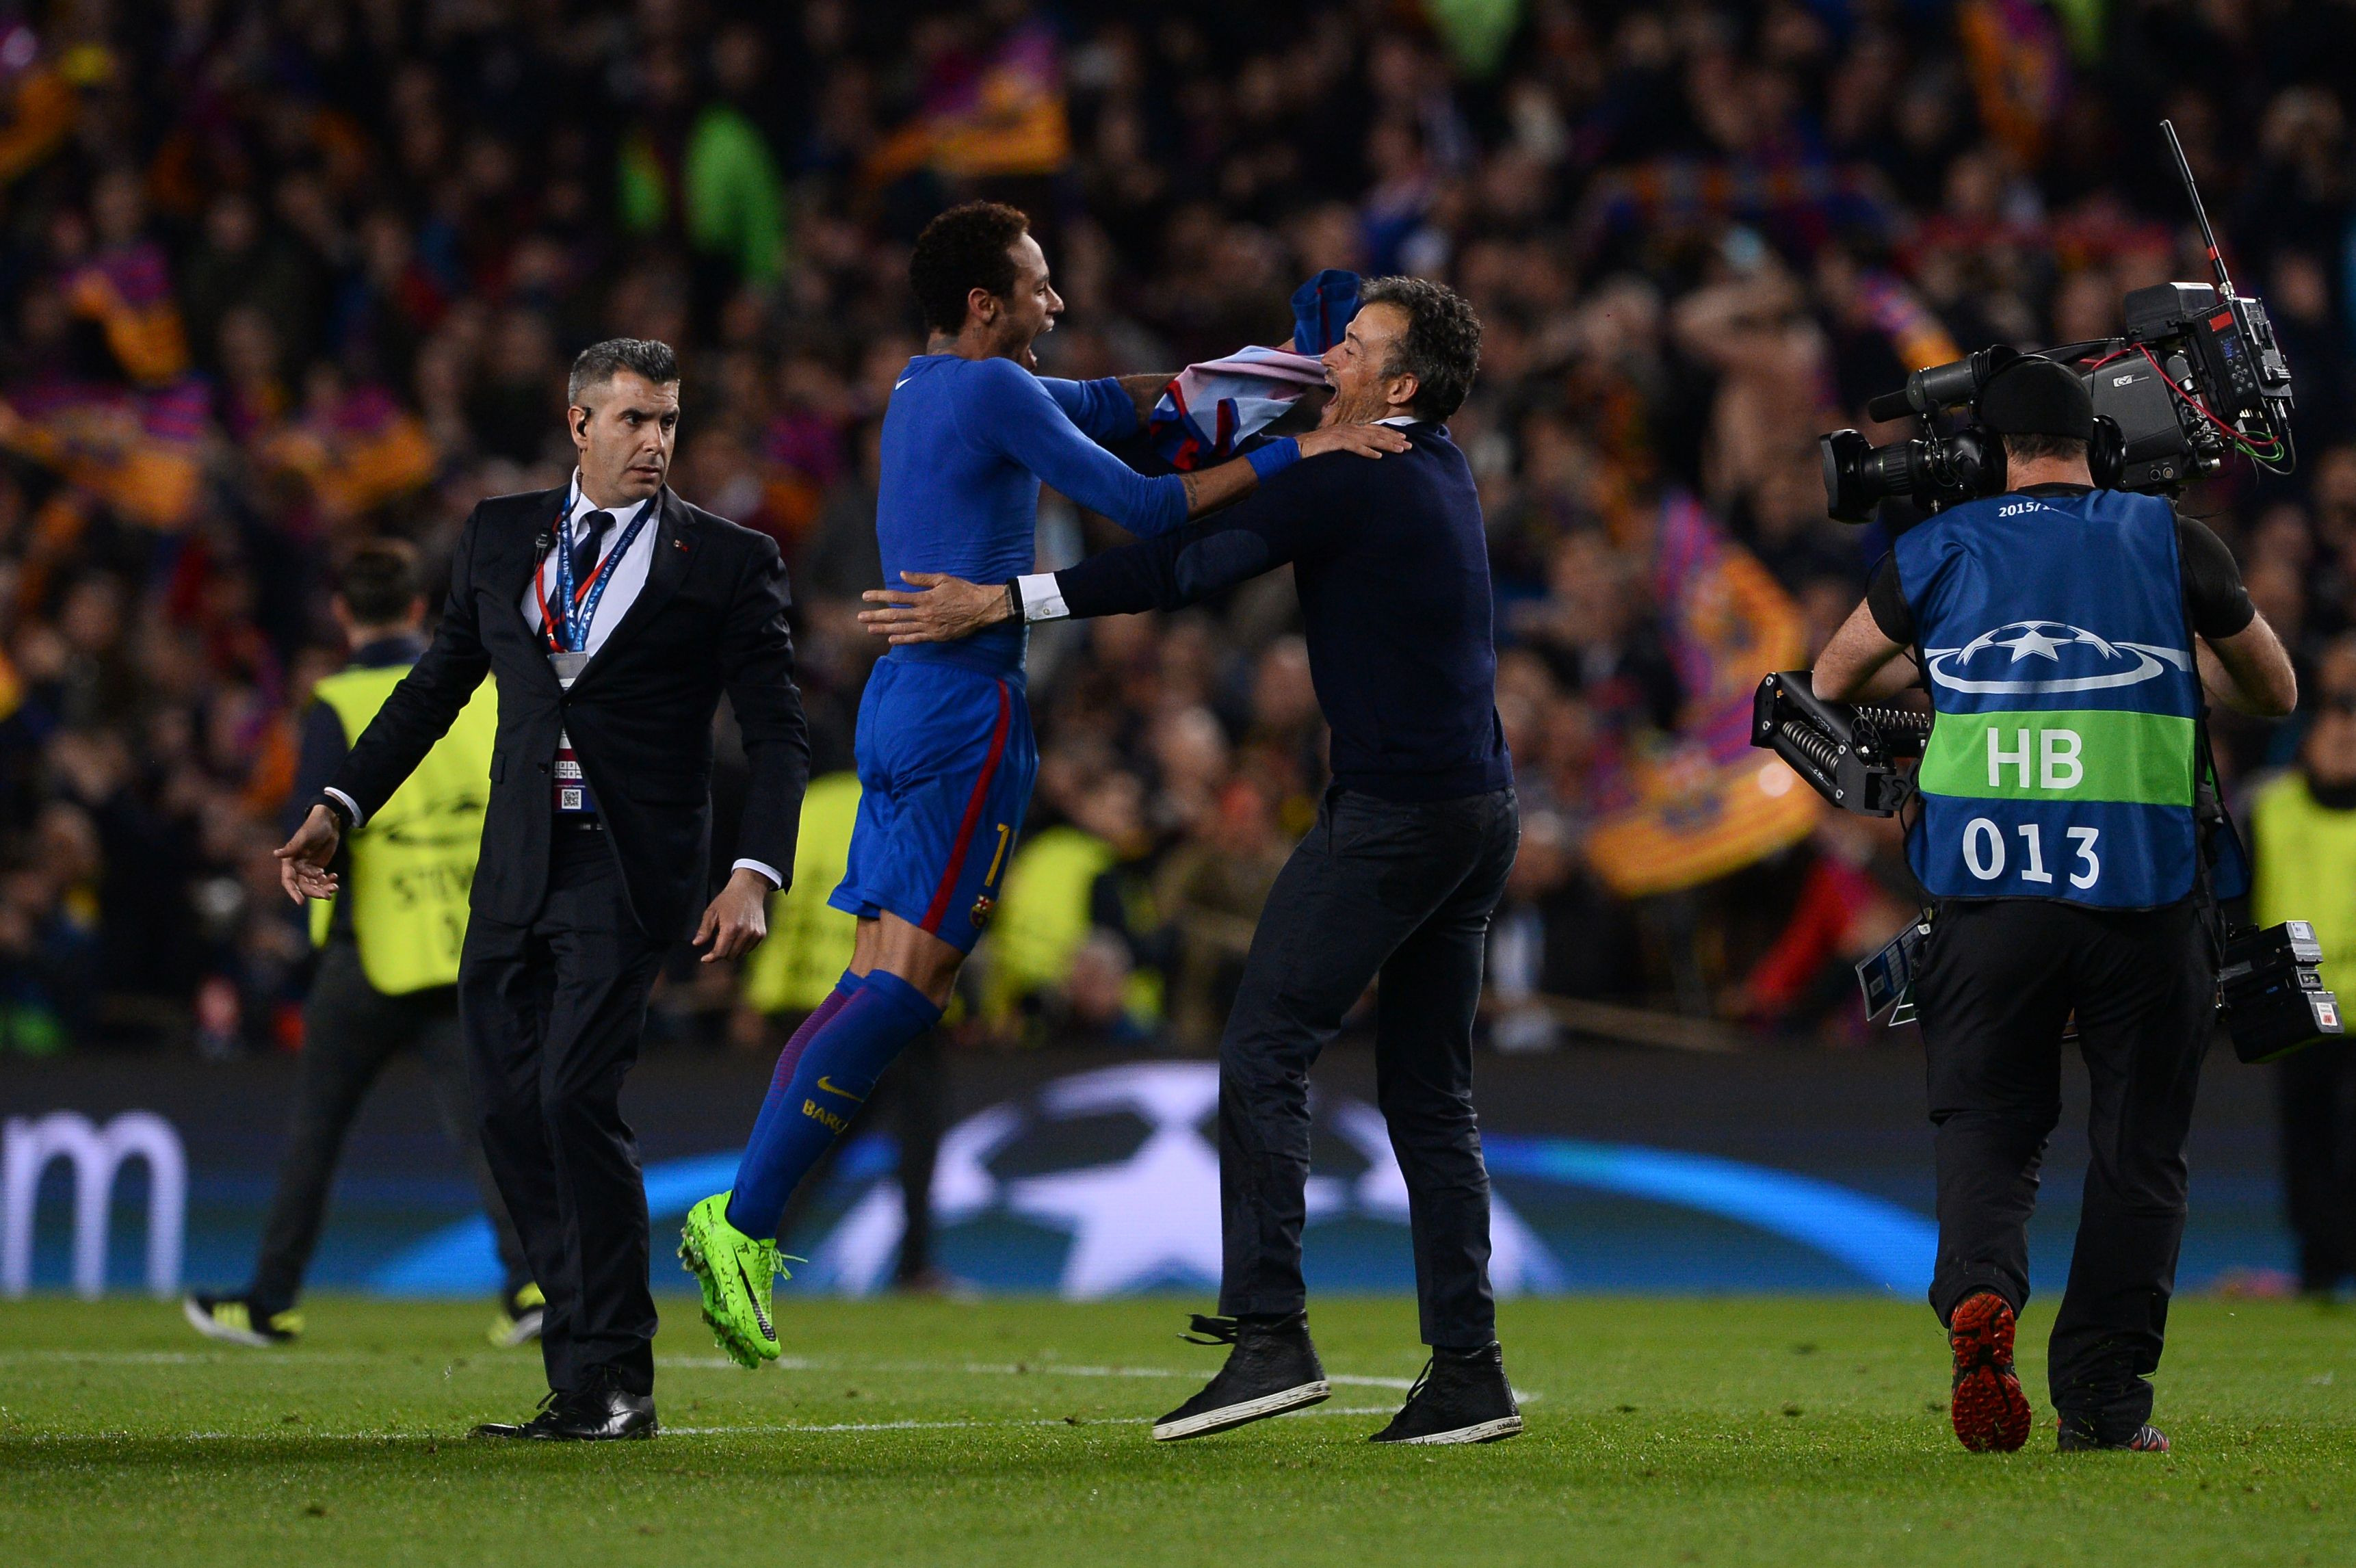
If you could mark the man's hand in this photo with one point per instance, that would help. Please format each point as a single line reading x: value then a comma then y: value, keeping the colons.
x: 945, y: 609
x: 738, y: 917
x: 1361, y: 440
x: 303, y: 859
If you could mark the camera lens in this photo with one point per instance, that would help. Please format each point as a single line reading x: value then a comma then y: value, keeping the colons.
x: 1840, y: 452
x: 1859, y: 474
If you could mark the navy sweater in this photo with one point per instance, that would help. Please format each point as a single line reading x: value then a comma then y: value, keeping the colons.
x: 1393, y: 569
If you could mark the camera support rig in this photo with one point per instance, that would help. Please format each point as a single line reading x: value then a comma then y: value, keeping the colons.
x: 1847, y: 754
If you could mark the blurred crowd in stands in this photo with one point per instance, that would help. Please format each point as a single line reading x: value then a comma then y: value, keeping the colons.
x: 282, y: 274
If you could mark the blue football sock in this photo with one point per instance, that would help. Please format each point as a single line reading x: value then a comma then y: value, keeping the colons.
x: 774, y: 1106
x: 836, y: 1071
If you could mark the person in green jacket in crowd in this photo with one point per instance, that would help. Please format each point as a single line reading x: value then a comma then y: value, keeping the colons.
x: 709, y: 177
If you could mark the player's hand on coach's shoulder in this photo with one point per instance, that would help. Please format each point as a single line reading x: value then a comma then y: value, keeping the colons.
x: 940, y: 609
x: 303, y: 860
x: 1360, y: 440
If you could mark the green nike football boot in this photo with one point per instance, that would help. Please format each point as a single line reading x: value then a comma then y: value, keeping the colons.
x: 236, y: 1319
x: 735, y: 1271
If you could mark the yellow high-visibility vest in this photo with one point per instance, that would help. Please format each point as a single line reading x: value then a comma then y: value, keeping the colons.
x: 809, y: 939
x: 1043, y: 914
x: 414, y: 861
x: 2306, y: 870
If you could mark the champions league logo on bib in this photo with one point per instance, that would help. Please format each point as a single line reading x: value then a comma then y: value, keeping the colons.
x: 2025, y: 658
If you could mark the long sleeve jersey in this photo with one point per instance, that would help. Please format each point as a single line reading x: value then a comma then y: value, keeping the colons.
x: 967, y: 444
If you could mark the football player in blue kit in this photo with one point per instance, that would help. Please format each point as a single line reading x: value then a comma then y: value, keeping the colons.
x: 944, y: 751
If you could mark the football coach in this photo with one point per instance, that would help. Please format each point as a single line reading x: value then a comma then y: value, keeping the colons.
x: 1397, y: 880
x: 613, y: 614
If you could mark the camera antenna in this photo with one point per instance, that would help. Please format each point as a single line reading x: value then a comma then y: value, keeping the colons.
x: 2200, y: 213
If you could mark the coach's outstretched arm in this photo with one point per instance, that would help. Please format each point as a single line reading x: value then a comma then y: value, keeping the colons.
x: 1291, y: 519
x: 419, y: 712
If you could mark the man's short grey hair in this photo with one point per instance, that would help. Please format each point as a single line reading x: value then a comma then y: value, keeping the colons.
x: 1441, y: 346
x: 597, y: 364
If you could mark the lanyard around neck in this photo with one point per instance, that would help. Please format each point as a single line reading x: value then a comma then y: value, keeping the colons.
x: 580, y: 601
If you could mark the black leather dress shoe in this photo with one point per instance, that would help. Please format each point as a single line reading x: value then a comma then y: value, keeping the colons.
x: 601, y: 1412
x: 540, y: 1426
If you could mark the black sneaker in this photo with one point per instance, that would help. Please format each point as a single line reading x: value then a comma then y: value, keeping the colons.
x: 1463, y: 1397
x: 2080, y: 1437
x: 1272, y: 1369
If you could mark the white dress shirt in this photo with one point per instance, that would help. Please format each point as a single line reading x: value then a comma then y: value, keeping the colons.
x: 622, y: 590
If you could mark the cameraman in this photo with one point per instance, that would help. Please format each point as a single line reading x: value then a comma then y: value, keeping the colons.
x: 2066, y: 633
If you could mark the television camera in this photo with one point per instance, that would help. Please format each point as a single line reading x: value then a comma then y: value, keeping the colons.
x: 2197, y: 376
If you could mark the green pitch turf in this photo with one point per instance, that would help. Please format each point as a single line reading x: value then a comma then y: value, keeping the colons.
x: 1729, y: 1431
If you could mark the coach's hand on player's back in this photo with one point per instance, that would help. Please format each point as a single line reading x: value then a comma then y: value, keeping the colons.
x: 1361, y: 440
x: 940, y: 609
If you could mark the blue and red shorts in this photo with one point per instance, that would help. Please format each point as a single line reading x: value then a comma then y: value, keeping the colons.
x: 946, y: 763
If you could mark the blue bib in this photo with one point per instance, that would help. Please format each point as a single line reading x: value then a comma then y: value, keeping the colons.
x: 2059, y: 660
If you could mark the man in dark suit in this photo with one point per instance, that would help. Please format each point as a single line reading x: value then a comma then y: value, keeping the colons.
x: 613, y: 614
x: 1394, y: 883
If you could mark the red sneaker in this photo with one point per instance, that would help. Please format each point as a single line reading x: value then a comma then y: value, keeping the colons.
x: 1987, y: 1407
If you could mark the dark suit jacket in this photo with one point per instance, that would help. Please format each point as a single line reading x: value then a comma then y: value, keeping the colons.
x: 710, y: 616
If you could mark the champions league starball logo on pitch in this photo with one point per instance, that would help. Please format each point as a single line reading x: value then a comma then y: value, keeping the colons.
x: 1124, y: 1162
x: 1106, y: 1183
x: 2030, y: 658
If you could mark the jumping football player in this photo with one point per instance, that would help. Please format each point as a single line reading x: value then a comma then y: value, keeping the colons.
x: 944, y: 750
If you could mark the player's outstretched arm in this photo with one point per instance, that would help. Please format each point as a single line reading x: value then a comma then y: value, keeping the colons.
x: 1024, y: 422
x: 1109, y: 409
x: 1212, y: 488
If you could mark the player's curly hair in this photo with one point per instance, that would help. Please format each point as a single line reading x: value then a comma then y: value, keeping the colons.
x: 1441, y: 346
x: 968, y: 247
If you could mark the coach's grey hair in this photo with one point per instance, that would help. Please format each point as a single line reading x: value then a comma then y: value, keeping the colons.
x: 1441, y: 345
x: 596, y: 365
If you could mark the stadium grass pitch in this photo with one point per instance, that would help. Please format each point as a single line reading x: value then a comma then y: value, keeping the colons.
x: 1711, y: 1431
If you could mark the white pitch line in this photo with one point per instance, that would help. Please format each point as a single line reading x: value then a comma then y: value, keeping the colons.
x: 774, y: 1431
x: 297, y: 1358
x: 997, y: 1369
